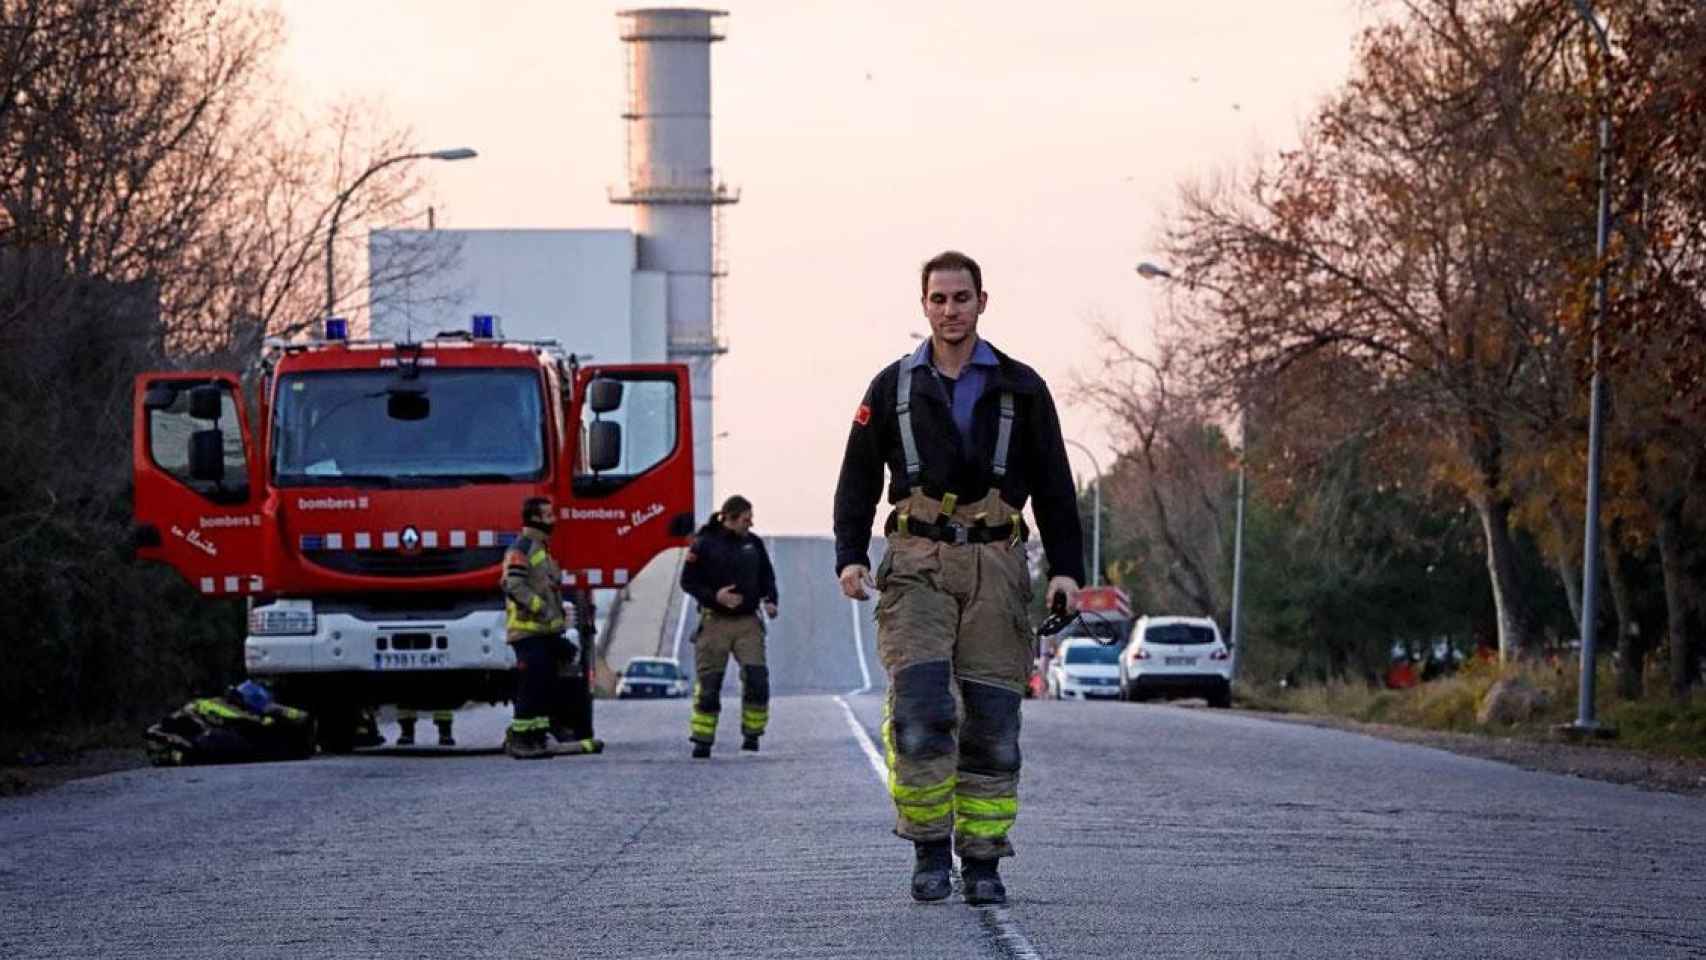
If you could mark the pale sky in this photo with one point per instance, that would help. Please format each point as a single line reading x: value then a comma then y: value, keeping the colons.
x: 1047, y: 142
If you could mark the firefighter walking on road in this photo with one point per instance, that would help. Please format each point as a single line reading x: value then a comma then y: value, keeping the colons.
x: 968, y: 435
x: 728, y: 572
x: 534, y: 626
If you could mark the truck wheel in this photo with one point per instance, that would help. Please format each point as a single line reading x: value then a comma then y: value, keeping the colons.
x: 337, y: 729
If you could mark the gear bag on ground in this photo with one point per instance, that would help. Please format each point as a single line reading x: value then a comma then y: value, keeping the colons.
x: 242, y: 725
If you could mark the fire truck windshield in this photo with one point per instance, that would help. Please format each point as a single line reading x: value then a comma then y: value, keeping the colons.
x: 375, y: 428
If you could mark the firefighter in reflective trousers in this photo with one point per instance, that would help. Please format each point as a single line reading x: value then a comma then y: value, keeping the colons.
x: 535, y: 626
x: 968, y: 435
x: 728, y: 572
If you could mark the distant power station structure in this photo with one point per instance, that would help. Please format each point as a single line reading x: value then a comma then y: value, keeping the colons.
x: 677, y: 196
x: 644, y: 295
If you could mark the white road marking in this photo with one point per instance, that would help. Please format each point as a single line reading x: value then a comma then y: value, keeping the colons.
x: 859, y: 647
x: 872, y: 754
x: 1009, y: 939
x: 681, y: 626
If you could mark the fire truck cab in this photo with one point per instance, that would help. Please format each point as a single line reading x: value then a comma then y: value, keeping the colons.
x: 359, y: 495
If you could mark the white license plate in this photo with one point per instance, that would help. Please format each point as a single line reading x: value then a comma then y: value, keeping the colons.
x: 422, y: 660
x: 1180, y: 661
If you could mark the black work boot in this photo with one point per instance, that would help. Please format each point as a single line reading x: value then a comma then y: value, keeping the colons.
x: 406, y: 734
x: 701, y: 751
x: 930, y: 870
x: 444, y: 737
x: 750, y: 743
x: 982, y: 884
x: 526, y: 746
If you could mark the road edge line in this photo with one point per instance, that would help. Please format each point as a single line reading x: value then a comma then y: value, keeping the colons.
x: 859, y: 647
x: 866, y: 744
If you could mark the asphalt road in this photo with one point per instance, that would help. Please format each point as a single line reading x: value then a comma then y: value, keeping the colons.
x: 812, y: 646
x: 1146, y: 831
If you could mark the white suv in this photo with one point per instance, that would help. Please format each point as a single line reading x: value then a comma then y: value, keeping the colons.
x: 1176, y: 656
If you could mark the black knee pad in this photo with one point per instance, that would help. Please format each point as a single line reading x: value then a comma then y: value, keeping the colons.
x: 755, y: 685
x: 989, y: 741
x: 922, y: 724
x: 710, y: 698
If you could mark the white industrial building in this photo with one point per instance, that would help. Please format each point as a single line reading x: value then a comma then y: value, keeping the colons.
x: 582, y: 288
x: 646, y: 295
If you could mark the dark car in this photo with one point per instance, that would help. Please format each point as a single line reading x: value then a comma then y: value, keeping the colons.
x: 651, y: 677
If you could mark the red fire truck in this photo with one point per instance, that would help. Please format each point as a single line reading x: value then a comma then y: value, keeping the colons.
x: 361, y: 501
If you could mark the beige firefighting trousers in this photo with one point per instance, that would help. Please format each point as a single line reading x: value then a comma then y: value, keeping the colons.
x: 954, y: 635
x: 719, y: 636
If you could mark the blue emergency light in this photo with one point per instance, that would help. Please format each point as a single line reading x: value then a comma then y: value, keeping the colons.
x: 337, y: 328
x: 484, y: 326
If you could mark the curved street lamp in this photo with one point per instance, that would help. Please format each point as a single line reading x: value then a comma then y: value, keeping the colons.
x: 454, y: 153
x: 1585, y: 720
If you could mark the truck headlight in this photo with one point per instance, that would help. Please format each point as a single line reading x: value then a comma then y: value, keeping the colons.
x: 282, y: 619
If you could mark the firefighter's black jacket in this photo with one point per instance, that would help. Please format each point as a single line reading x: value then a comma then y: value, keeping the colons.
x: 1036, y: 463
x: 719, y: 558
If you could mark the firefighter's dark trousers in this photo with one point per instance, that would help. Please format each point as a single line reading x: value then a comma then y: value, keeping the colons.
x: 721, y: 635
x: 954, y: 636
x: 536, y: 685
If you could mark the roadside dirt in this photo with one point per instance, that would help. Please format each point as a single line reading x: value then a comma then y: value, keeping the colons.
x: 1593, y: 761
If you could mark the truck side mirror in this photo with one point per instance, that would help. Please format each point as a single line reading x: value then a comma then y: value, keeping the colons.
x: 603, y: 445
x: 205, y: 402
x: 604, y: 395
x: 207, y: 455
x: 159, y: 396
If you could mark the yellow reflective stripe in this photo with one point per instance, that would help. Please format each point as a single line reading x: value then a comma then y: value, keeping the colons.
x: 989, y: 808
x: 537, y: 557
x: 517, y: 621
x: 987, y: 829
x: 536, y: 603
x: 219, y: 708
x: 926, y: 814
x: 987, y: 817
x: 530, y: 725
x: 705, y: 723
x: 930, y: 793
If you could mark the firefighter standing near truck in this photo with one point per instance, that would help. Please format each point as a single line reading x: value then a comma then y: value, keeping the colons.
x: 728, y: 572
x: 535, y: 626
x: 442, y: 719
x: 968, y: 435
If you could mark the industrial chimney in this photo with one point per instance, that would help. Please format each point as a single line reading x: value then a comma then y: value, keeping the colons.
x: 676, y: 195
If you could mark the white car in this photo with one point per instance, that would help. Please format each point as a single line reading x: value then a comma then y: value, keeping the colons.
x: 1176, y: 656
x: 1084, y: 669
x: 651, y: 677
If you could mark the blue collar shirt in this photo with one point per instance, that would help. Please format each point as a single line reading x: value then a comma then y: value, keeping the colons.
x: 963, y: 392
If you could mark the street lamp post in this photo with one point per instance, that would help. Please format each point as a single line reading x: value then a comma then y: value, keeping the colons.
x: 1096, y: 522
x: 455, y: 153
x: 1585, y: 720
x: 1150, y: 271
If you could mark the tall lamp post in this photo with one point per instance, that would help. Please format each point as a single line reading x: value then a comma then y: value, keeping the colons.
x: 1096, y: 522
x: 1150, y: 271
x: 1585, y: 721
x: 455, y: 153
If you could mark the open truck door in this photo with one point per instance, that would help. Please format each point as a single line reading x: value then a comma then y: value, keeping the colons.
x: 197, y: 506
x: 630, y: 486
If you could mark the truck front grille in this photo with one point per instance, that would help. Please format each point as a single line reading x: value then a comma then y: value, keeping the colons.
x: 392, y: 563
